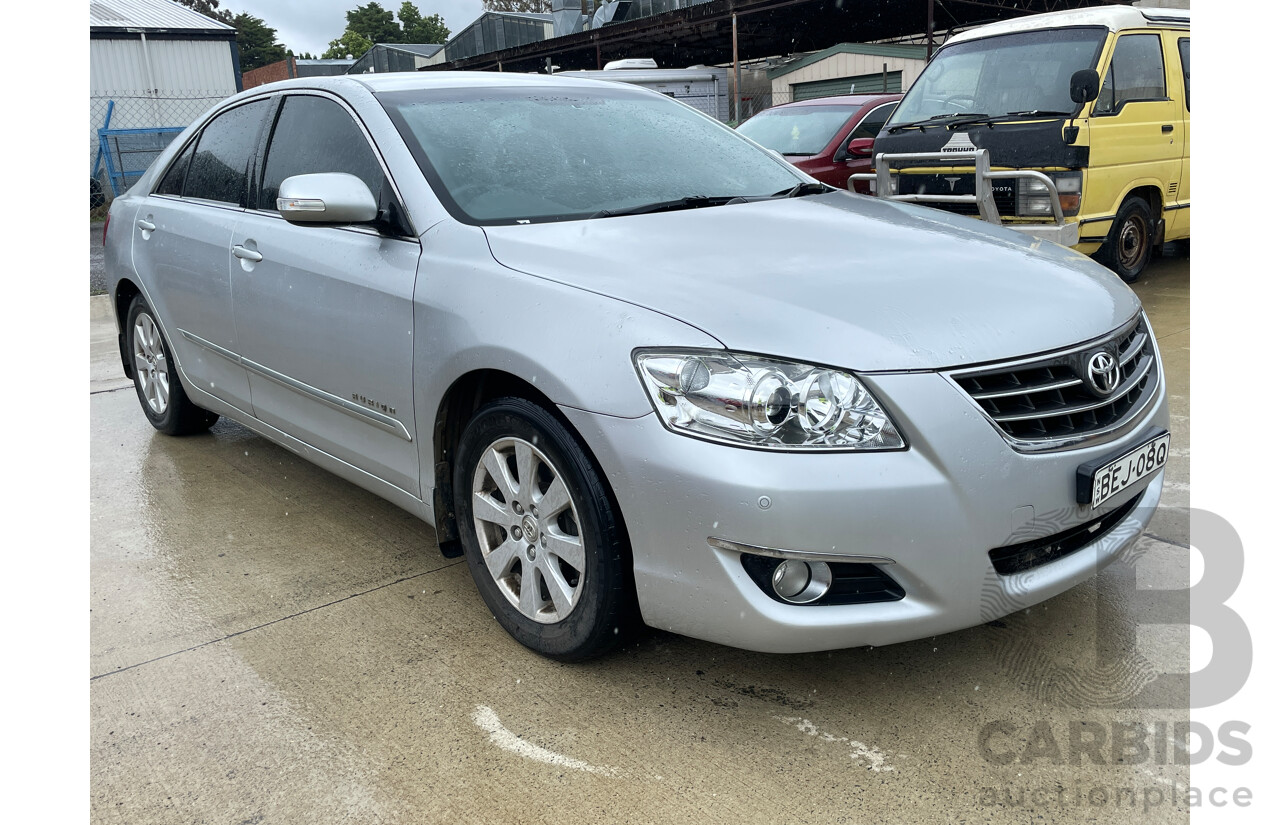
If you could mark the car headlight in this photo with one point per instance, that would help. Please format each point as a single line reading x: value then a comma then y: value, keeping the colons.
x: 763, y: 402
x: 1033, y: 195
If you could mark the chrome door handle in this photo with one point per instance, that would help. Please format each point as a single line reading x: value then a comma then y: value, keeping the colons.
x: 146, y: 226
x: 246, y: 253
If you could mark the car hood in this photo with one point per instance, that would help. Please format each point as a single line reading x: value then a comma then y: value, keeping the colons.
x: 835, y: 279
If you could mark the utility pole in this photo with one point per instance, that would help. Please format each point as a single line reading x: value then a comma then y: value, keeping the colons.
x: 928, y: 53
x: 737, y: 75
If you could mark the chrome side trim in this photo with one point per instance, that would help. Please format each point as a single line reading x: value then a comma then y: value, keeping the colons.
x: 799, y: 555
x: 351, y: 408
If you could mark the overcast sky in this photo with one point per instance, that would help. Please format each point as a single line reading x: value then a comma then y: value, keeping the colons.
x: 309, y: 25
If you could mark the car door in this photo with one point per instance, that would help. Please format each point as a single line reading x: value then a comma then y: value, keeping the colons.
x: 1179, y: 220
x: 867, y: 129
x: 182, y: 242
x: 325, y: 313
x: 1137, y: 129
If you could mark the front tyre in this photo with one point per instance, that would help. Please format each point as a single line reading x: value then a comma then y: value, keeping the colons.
x: 155, y: 377
x: 1127, y: 249
x: 540, y: 533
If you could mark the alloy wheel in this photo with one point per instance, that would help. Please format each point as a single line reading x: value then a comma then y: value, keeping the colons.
x: 527, y: 525
x: 150, y: 364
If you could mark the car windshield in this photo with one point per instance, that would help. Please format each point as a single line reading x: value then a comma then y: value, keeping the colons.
x: 527, y: 155
x: 797, y: 130
x: 1022, y: 72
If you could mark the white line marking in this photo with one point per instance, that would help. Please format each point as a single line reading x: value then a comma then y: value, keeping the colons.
x: 874, y: 757
x: 487, y: 720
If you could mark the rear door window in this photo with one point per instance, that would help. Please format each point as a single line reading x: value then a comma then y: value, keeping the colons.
x: 1184, y: 55
x: 314, y: 134
x: 1136, y: 72
x: 219, y: 168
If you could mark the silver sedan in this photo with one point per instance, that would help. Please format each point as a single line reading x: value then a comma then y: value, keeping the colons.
x: 635, y: 367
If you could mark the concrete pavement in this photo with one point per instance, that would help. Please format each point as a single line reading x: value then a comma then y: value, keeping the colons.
x: 272, y: 644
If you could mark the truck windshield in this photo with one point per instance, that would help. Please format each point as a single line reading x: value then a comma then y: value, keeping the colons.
x: 1010, y: 73
x: 797, y: 130
x: 510, y: 155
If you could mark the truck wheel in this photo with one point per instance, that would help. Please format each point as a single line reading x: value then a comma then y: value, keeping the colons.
x: 1127, y: 249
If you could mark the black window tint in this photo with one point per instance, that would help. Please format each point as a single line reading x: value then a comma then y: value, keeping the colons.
x: 1136, y: 72
x: 172, y: 182
x: 313, y: 135
x: 222, y: 155
x: 874, y: 121
x: 1184, y: 52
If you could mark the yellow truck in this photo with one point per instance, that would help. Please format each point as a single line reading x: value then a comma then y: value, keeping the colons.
x: 1073, y: 126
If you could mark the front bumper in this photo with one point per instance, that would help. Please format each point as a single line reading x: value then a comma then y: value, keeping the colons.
x: 935, y: 509
x: 1068, y: 234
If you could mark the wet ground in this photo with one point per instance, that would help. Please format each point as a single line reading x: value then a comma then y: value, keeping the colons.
x: 272, y: 644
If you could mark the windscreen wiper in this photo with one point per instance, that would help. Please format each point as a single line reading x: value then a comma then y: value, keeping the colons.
x: 920, y: 124
x: 801, y: 189
x: 1039, y: 113
x: 690, y: 202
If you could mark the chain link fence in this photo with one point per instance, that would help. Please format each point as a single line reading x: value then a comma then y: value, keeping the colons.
x: 162, y: 115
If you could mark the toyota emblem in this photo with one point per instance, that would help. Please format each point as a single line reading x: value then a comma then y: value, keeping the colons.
x: 1104, y: 373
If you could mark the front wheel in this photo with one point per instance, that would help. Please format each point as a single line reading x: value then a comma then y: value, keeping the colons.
x: 155, y: 377
x: 1127, y: 249
x: 542, y: 539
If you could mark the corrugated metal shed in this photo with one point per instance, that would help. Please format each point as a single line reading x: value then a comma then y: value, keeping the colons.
x: 149, y: 15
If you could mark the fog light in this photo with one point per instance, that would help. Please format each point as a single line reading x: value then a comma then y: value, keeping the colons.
x: 801, y: 582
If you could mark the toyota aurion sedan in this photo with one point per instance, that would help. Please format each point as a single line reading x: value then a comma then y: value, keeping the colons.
x: 635, y: 367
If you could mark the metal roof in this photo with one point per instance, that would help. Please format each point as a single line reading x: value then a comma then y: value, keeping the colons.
x: 1114, y: 18
x: 421, y: 49
x: 158, y: 15
x: 903, y: 52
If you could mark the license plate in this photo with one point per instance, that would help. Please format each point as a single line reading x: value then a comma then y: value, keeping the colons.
x: 1112, y: 476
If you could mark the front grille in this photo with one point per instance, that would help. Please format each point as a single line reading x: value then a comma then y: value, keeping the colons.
x: 1049, y: 399
x: 962, y: 184
x: 1018, y: 558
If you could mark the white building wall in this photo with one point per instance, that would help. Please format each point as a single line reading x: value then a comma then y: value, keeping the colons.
x: 168, y: 82
x: 846, y: 65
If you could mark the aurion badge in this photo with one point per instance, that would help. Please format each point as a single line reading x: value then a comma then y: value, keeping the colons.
x: 1104, y: 373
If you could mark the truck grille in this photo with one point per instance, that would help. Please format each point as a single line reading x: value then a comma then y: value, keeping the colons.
x: 957, y: 184
x: 1052, y: 399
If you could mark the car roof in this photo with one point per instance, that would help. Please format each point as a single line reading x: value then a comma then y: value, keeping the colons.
x: 412, y: 81
x: 1114, y: 18
x: 843, y: 100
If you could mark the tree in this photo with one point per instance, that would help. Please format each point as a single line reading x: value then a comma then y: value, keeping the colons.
x: 418, y: 29
x: 351, y: 43
x: 527, y: 6
x: 209, y: 8
x: 257, y: 42
x: 374, y: 23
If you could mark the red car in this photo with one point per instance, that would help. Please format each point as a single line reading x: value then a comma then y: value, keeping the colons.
x: 829, y: 138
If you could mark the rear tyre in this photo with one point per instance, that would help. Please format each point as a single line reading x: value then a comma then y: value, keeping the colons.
x: 1127, y: 249
x: 540, y: 533
x: 155, y: 377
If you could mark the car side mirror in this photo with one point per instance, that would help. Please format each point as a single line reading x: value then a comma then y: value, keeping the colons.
x: 860, y: 147
x: 1084, y: 86
x: 326, y: 198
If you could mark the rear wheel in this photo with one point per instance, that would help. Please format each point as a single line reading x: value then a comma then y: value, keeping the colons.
x: 1127, y: 249
x: 155, y: 377
x: 541, y: 536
